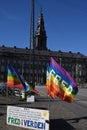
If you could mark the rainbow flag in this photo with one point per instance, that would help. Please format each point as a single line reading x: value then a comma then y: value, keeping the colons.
x: 60, y: 83
x: 14, y: 80
x: 29, y: 87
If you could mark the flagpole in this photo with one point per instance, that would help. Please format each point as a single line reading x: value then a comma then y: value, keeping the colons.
x: 32, y: 40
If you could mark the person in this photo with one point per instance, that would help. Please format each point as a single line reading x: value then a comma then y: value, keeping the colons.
x: 23, y: 97
x: 32, y: 84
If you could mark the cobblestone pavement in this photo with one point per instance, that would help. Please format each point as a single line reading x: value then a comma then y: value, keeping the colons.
x: 63, y: 116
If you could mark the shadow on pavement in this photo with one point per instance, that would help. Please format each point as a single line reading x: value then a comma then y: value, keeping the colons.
x: 60, y: 124
x: 1, y: 114
x: 76, y: 120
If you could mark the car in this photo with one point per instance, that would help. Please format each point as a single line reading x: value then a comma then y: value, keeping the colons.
x: 4, y: 90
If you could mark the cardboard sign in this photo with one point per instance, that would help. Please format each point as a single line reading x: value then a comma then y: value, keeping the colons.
x: 36, y: 119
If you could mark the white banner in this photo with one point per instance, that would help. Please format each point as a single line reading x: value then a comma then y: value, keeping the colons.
x: 31, y: 118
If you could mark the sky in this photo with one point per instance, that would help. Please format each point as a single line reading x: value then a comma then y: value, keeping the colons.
x: 65, y: 23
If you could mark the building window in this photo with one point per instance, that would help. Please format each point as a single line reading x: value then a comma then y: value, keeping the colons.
x: 31, y: 71
x: 39, y: 71
x: 39, y: 63
x: 23, y: 62
x: 35, y: 63
x: 14, y: 61
x: 84, y: 72
x: 2, y: 68
x: 80, y: 73
x: 8, y: 61
x: 19, y: 62
x: 35, y: 71
x: 26, y: 70
x: 31, y: 62
x: 3, y: 60
x: 43, y: 63
x: 27, y: 62
x: 19, y: 70
x: 2, y: 77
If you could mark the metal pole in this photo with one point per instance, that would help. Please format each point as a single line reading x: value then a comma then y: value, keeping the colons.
x: 32, y: 26
x: 32, y: 40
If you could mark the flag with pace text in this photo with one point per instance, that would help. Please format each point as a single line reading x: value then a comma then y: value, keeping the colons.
x: 60, y: 83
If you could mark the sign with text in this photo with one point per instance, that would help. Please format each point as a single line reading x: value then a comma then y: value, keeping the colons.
x: 31, y: 98
x: 31, y: 118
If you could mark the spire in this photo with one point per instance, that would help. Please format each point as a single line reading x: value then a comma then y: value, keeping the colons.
x: 40, y: 35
